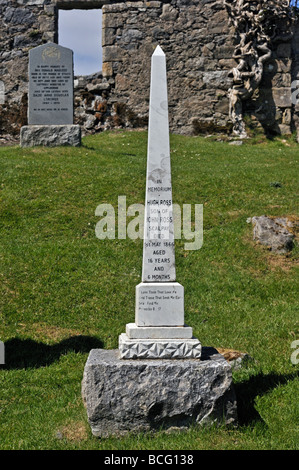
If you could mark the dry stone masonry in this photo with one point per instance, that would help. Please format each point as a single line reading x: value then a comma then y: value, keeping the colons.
x: 199, y: 44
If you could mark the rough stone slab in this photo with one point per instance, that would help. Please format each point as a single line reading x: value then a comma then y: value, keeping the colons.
x: 50, y: 136
x: 158, y: 348
x: 158, y: 332
x: 282, y: 97
x: 273, y: 233
x: 124, y: 396
x: 111, y: 53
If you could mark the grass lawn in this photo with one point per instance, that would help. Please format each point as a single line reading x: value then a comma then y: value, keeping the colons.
x: 63, y: 291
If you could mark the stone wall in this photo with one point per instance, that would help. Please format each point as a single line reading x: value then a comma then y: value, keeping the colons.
x: 271, y: 105
x: 194, y: 36
x: 23, y: 24
x: 198, y: 44
x: 295, y: 81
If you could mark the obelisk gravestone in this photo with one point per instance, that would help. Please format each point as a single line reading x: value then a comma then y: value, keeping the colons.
x: 159, y: 329
x: 158, y: 250
x: 158, y: 377
x: 50, y: 98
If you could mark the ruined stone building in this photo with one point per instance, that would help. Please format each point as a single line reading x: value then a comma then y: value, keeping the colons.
x: 199, y: 45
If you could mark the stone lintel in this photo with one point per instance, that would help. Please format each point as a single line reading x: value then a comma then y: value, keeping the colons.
x: 80, y: 4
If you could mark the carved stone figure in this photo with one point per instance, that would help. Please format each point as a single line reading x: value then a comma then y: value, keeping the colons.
x: 258, y: 25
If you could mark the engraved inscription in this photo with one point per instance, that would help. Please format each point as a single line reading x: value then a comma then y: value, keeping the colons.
x: 150, y: 299
x: 51, y: 86
x: 158, y: 248
x: 159, y: 304
x: 51, y: 83
x: 159, y: 231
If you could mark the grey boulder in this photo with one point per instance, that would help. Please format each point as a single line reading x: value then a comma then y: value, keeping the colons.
x: 50, y: 135
x: 126, y: 395
x: 273, y: 232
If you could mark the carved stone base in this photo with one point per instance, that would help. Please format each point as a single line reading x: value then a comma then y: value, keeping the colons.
x: 158, y: 348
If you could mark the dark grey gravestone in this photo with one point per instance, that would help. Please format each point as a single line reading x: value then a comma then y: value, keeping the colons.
x: 51, y: 85
x: 51, y: 98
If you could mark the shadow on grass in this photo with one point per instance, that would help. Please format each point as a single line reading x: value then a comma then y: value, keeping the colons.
x: 27, y: 353
x: 249, y: 390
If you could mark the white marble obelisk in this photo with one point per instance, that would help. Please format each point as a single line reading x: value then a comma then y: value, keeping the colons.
x: 158, y: 248
x: 159, y: 330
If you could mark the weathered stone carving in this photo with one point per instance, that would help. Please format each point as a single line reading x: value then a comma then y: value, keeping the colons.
x: 159, y: 349
x: 258, y: 25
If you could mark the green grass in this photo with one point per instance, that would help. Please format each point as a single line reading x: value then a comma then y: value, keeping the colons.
x: 64, y: 292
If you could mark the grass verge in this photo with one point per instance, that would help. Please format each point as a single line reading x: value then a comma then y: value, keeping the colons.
x: 63, y: 291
